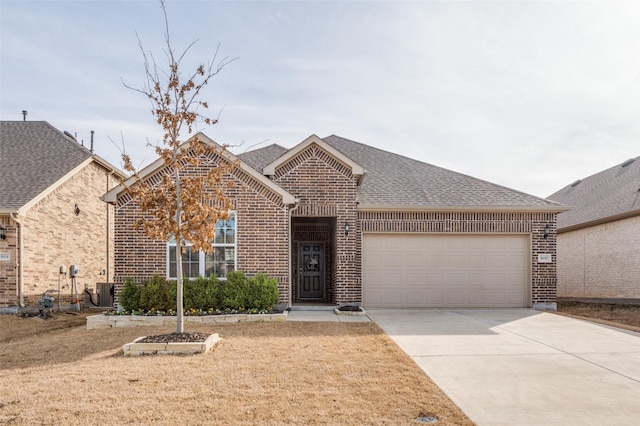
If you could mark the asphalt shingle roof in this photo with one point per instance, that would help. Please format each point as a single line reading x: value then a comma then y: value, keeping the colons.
x: 262, y: 157
x: 33, y: 156
x: 611, y: 192
x: 395, y: 180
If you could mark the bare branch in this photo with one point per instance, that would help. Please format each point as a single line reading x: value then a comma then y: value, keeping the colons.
x: 189, y: 195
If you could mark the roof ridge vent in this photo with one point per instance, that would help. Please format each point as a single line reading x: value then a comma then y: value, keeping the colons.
x: 576, y: 183
x: 626, y: 163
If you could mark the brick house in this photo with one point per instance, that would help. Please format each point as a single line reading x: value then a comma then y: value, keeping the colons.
x: 51, y: 214
x: 599, y: 238
x: 337, y: 221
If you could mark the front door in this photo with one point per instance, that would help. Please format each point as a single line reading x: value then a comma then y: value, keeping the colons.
x: 311, y: 267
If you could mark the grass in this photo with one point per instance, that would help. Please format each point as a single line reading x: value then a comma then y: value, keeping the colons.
x: 622, y: 316
x: 56, y: 372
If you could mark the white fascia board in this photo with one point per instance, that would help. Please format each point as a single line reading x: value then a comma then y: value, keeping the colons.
x: 287, y: 198
x: 356, y: 169
x: 113, y: 169
x: 600, y: 221
x: 112, y: 195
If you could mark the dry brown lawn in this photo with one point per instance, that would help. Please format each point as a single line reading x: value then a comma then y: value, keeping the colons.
x: 55, y: 372
x: 623, y: 316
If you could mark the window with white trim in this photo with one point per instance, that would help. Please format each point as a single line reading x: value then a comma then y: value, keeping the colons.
x: 219, y: 262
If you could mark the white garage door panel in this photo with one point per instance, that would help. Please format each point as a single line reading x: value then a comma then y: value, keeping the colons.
x: 417, y: 270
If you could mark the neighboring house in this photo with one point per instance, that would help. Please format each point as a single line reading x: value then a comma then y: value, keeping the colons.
x: 51, y: 214
x: 599, y: 238
x: 341, y: 222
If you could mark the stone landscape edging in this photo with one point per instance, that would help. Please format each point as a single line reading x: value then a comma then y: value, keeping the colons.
x: 123, y: 321
x: 172, y: 348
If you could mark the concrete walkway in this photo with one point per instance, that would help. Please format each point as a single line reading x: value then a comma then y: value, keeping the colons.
x: 523, y: 367
x: 325, y: 315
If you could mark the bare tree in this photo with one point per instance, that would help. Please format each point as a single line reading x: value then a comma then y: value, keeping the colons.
x: 179, y: 205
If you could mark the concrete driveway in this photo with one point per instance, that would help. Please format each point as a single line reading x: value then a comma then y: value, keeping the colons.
x: 523, y: 367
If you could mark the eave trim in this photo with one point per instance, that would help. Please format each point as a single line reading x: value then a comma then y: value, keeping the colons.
x: 601, y: 221
x: 356, y: 168
x: 157, y: 165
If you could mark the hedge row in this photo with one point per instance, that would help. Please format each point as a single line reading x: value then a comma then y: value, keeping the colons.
x: 238, y: 292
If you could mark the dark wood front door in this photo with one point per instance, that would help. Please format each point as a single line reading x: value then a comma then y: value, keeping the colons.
x: 311, y: 267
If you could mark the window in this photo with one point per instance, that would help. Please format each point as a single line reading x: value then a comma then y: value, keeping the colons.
x: 219, y: 262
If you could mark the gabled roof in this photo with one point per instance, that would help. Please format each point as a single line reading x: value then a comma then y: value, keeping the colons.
x: 35, y: 158
x: 609, y: 195
x: 356, y: 169
x: 288, y: 199
x: 259, y: 158
x: 395, y: 182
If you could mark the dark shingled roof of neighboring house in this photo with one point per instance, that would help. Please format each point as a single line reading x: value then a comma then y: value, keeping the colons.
x: 33, y: 156
x: 395, y: 180
x: 610, y: 194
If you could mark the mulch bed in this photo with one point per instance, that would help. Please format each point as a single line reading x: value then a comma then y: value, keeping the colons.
x: 176, y: 338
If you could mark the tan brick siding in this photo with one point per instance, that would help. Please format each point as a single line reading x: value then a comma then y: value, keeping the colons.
x: 601, y: 261
x: 55, y: 236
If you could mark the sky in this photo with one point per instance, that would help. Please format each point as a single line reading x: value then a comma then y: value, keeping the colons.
x: 531, y: 95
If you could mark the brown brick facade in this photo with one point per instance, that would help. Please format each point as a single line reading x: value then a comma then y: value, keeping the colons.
x: 261, y: 238
x: 327, y: 192
x: 327, y: 189
x: 55, y: 236
x: 543, y: 275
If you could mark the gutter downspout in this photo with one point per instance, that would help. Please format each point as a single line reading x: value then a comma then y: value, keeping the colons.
x: 291, y: 210
x: 14, y: 216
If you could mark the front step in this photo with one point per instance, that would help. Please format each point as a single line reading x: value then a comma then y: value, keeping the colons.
x: 313, y: 307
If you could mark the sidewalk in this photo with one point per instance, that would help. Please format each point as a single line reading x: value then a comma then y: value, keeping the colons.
x: 324, y: 316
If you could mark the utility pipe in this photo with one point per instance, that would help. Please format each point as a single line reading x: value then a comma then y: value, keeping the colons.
x: 14, y: 216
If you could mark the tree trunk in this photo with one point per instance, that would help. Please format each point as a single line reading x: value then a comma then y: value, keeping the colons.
x: 179, y: 288
x: 179, y: 278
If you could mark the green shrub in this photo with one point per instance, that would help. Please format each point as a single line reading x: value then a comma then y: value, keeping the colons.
x: 213, y: 293
x: 172, y: 292
x: 234, y: 291
x: 202, y: 294
x: 154, y: 295
x: 262, y: 292
x: 194, y: 293
x: 129, y: 297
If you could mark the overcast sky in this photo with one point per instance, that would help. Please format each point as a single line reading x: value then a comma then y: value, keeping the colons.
x: 529, y: 95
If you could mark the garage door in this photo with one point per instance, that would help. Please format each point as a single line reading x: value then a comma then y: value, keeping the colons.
x: 417, y: 270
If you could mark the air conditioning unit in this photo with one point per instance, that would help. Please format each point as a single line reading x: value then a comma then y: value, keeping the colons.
x: 105, y: 295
